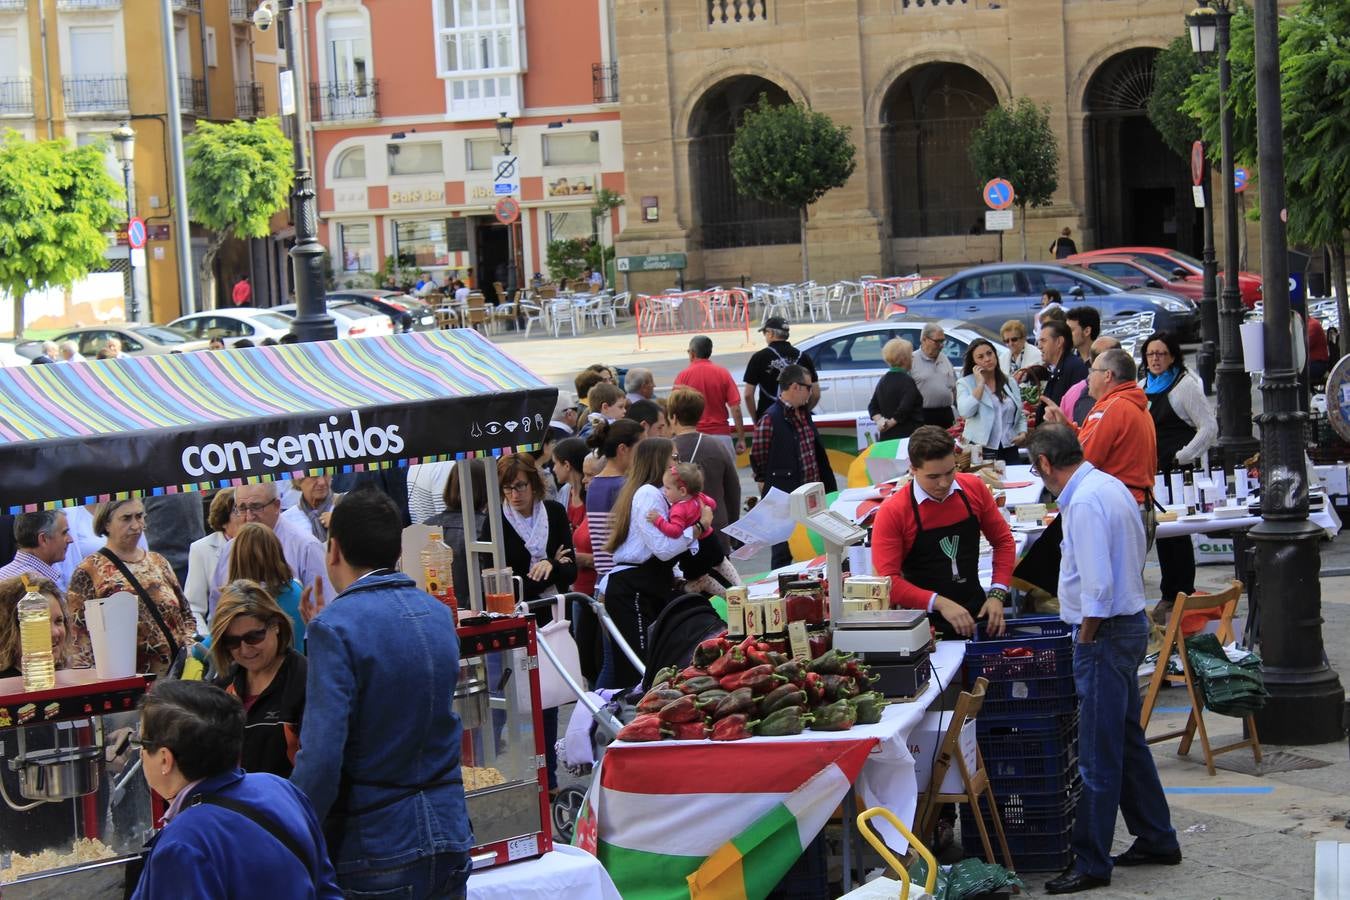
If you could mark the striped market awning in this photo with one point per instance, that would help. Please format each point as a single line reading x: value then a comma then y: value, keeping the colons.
x: 79, y: 433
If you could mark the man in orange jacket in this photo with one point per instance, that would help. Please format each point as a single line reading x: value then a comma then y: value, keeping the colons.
x: 1118, y: 435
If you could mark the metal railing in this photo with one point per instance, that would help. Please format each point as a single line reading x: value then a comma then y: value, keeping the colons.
x: 16, y: 96
x: 340, y: 101
x: 932, y: 188
x: 187, y: 5
x: 94, y: 93
x: 192, y: 94
x: 67, y: 5
x: 727, y: 217
x: 239, y: 11
x: 737, y: 12
x: 248, y: 100
x: 605, y: 82
x: 12, y: 5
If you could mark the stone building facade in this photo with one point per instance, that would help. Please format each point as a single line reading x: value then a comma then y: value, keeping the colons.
x: 911, y: 80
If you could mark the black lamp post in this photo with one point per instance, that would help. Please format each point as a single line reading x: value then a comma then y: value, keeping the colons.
x: 506, y: 127
x: 1200, y: 23
x: 1305, y: 693
x: 124, y: 142
x: 1233, y: 384
x: 312, y: 321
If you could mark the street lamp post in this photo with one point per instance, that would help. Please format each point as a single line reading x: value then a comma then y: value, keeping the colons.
x: 1201, y: 26
x: 124, y: 142
x: 1234, y: 386
x: 312, y: 321
x: 505, y: 132
x: 1305, y: 692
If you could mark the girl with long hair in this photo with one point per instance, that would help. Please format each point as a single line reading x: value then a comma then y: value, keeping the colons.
x: 256, y: 555
x: 991, y: 404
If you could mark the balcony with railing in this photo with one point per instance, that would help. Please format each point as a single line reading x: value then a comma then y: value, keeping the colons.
x: 248, y: 100
x: 605, y: 82
x: 192, y: 95
x: 182, y: 6
x: 240, y: 11
x: 13, y: 5
x: 16, y: 97
x: 95, y: 93
x: 737, y: 12
x: 344, y: 101
x: 76, y: 5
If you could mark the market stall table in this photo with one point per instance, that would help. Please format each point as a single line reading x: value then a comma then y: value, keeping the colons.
x: 561, y: 873
x: 741, y: 812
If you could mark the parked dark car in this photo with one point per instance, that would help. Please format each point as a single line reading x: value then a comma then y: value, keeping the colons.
x: 406, y: 312
x: 992, y: 294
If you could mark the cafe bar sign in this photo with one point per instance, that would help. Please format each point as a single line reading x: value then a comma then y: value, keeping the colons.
x: 429, y: 196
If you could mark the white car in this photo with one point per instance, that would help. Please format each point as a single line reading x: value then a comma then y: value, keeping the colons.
x: 353, y: 320
x: 849, y: 364
x: 232, y: 324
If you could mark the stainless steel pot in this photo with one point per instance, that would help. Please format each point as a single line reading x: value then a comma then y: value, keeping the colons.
x: 471, y: 693
x: 60, y: 774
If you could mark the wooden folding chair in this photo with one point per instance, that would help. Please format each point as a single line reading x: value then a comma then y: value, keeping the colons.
x: 975, y: 784
x: 1173, y: 640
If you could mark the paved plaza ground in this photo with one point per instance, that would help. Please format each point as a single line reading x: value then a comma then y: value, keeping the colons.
x: 1243, y: 835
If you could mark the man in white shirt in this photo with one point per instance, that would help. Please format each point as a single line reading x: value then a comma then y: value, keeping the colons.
x: 1102, y: 595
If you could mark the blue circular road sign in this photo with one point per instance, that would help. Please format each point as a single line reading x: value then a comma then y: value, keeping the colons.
x: 998, y: 193
x: 136, y: 233
x: 1239, y: 179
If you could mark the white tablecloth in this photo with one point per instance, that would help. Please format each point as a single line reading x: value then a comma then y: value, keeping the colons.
x: 564, y: 872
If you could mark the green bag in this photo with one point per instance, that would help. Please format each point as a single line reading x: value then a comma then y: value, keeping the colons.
x: 967, y: 878
x: 1227, y: 688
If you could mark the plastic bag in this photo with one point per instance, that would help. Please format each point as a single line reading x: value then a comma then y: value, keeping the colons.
x: 968, y: 878
x: 1228, y: 688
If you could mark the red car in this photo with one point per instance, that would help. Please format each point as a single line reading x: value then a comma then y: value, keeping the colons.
x: 1169, y: 260
x: 1137, y: 272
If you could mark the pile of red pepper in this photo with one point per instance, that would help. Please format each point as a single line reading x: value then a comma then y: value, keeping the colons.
x: 733, y: 691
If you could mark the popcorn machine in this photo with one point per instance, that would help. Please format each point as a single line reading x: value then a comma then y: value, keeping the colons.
x: 74, y: 808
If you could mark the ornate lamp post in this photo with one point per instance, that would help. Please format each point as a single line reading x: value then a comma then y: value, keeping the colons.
x: 506, y: 127
x: 312, y: 322
x: 1201, y: 25
x: 1305, y: 693
x: 124, y: 142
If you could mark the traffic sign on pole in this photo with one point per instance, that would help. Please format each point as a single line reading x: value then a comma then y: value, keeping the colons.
x: 1198, y: 162
x: 507, y: 210
x: 505, y: 176
x: 1239, y: 179
x: 998, y: 193
x: 136, y: 233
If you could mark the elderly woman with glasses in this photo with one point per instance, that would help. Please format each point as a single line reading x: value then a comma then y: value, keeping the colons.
x: 253, y: 649
x: 165, y: 624
x: 191, y: 735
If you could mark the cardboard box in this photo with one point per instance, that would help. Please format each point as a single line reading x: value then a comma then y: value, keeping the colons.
x: 923, y: 742
x: 858, y: 604
x: 868, y: 588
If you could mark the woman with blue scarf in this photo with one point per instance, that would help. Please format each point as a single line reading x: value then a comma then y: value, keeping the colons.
x: 1186, y: 428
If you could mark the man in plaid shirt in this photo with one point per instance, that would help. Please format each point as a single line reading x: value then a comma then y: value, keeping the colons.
x: 787, y: 451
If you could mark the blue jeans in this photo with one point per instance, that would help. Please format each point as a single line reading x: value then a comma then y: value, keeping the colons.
x: 441, y: 876
x: 1113, y: 757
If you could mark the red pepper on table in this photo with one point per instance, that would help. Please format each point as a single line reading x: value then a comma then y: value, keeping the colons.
x: 686, y: 731
x: 643, y: 728
x: 760, y: 679
x: 684, y: 709
x: 741, y: 701
x: 708, y: 652
x: 758, y: 654
x: 655, y: 699
x: 698, y: 684
x: 733, y: 728
x: 691, y: 672
x: 814, y: 686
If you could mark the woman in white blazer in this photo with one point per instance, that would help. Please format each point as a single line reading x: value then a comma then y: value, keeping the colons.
x: 991, y: 404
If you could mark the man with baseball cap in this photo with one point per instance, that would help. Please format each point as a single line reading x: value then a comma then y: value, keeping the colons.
x: 765, y: 367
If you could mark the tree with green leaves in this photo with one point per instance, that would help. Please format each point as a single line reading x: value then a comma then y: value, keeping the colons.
x: 1016, y: 142
x: 568, y: 258
x: 57, y: 204
x: 239, y: 175
x: 791, y: 155
x: 1314, y: 94
x: 1173, y: 70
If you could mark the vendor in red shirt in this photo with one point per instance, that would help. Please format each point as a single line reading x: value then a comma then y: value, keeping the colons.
x: 927, y: 539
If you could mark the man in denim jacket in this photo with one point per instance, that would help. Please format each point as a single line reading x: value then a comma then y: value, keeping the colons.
x: 379, y: 755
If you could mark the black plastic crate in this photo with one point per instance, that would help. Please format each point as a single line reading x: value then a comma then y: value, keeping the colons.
x: 1019, y: 843
x: 1030, y: 755
x: 1038, y: 811
x: 1042, y: 862
x: 1023, y: 824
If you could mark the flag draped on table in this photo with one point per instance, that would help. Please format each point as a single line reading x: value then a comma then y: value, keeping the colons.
x: 713, y: 821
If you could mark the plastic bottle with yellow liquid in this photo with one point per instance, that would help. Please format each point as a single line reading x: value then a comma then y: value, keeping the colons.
x: 35, y: 640
x: 437, y: 560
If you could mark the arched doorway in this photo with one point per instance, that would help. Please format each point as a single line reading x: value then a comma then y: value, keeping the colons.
x: 928, y: 116
x: 1139, y: 191
x: 725, y: 217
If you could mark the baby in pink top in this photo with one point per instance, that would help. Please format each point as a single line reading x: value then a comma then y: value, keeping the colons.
x: 682, y: 487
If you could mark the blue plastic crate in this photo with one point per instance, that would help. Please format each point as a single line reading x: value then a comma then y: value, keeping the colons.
x: 1013, y: 739
x: 1038, y: 811
x: 1020, y: 843
x: 1048, y: 643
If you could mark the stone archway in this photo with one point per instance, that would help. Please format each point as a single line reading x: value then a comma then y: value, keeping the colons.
x: 927, y: 117
x: 1139, y: 192
x: 722, y: 216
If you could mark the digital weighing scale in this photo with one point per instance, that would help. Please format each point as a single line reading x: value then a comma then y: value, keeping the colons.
x: 807, y: 507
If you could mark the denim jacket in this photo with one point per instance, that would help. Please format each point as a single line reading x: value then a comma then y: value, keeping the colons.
x: 383, y: 663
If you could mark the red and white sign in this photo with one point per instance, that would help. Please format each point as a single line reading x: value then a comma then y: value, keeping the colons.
x: 507, y: 210
x: 1197, y: 162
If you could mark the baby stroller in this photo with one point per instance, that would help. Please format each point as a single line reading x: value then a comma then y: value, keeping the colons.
x: 681, y: 626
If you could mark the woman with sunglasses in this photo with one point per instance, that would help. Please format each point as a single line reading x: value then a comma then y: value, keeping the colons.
x: 252, y: 649
x: 256, y: 555
x: 226, y: 833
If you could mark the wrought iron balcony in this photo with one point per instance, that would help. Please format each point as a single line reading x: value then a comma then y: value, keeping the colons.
x: 248, y: 100
x: 737, y: 12
x: 13, y: 5
x: 192, y: 94
x: 68, y: 5
x: 95, y: 93
x: 16, y: 97
x: 187, y: 5
x: 344, y: 101
x: 605, y: 82
x: 240, y: 11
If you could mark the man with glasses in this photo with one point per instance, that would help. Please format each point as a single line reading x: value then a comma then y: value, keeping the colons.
x: 1102, y: 595
x: 933, y: 372
x: 1077, y: 402
x: 303, y: 552
x: 787, y: 451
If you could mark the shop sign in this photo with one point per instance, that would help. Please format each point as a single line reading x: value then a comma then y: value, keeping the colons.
x: 417, y: 197
x: 652, y: 262
x: 481, y: 192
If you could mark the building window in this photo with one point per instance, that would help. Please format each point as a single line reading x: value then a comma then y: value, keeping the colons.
x: 421, y: 158
x: 576, y: 149
x: 358, y: 253
x: 572, y: 223
x: 478, y: 153
x: 421, y: 243
x: 480, y: 53
x: 351, y: 164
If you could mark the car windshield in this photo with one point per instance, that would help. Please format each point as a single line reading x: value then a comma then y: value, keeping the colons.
x: 1155, y: 270
x: 272, y: 320
x: 348, y: 310
x: 1186, y: 258
x: 1097, y: 276
x: 163, y: 334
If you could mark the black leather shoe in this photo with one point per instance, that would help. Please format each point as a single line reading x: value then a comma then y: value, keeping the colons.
x: 1138, y: 856
x: 1071, y: 881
